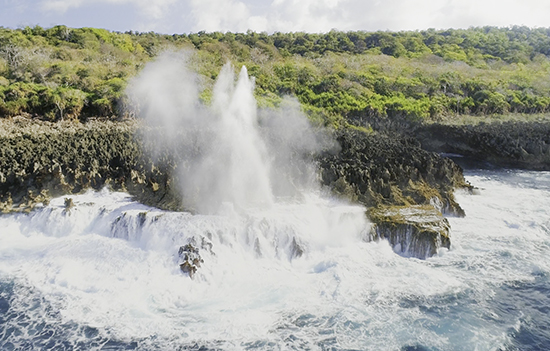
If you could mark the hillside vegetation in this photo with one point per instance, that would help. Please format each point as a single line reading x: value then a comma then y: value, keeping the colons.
x: 338, y: 77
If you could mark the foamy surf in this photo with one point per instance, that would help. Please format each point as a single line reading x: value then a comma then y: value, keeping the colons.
x: 278, y: 265
x: 104, y: 275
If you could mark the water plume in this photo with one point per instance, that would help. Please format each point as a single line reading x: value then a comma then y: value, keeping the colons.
x: 229, y: 154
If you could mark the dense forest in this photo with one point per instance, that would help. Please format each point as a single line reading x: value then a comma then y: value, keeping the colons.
x: 65, y: 73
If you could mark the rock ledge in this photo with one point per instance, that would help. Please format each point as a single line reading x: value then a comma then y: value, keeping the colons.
x: 413, y: 231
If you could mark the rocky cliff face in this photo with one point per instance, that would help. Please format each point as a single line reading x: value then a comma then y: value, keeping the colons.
x: 511, y: 144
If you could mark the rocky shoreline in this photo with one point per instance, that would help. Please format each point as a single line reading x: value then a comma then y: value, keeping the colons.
x: 41, y: 160
x: 379, y: 170
x: 390, y: 173
x: 406, y: 189
x: 514, y: 144
x: 413, y: 231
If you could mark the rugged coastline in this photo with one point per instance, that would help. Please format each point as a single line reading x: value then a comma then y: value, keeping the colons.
x: 379, y: 170
x: 41, y: 160
x: 511, y: 141
x: 394, y: 112
x: 510, y: 144
x: 53, y: 159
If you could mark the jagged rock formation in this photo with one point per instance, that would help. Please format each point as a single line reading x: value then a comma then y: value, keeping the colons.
x: 39, y: 160
x: 191, y: 260
x: 413, y: 231
x: 378, y: 170
x: 42, y: 160
x: 189, y: 254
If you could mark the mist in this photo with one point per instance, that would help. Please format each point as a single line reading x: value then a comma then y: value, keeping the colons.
x: 229, y: 154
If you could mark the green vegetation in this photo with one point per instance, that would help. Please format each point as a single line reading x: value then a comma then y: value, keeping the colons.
x: 64, y: 73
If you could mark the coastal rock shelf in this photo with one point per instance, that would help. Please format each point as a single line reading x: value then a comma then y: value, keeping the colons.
x: 412, y: 231
x: 378, y: 170
x: 524, y: 145
x: 41, y: 160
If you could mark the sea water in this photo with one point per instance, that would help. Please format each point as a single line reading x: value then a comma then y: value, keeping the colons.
x: 300, y: 275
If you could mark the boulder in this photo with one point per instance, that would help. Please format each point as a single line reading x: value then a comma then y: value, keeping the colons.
x: 190, y: 259
x: 412, y: 231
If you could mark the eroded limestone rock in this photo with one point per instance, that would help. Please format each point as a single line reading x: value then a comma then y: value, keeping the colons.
x: 413, y: 231
x: 377, y: 170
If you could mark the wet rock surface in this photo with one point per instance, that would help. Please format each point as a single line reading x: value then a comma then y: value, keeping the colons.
x: 412, y: 231
x: 190, y: 257
x: 40, y: 160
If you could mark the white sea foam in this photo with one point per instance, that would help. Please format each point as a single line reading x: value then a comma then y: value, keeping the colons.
x: 105, y: 266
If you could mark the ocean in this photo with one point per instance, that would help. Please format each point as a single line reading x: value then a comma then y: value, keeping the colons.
x: 296, y: 275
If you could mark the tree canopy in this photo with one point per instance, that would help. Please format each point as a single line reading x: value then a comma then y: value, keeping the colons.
x: 77, y: 73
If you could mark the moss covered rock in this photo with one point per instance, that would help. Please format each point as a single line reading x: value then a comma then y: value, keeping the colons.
x: 413, y: 231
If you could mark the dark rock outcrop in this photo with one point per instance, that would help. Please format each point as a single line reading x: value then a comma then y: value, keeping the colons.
x: 190, y: 259
x: 412, y: 231
x: 378, y: 170
x: 39, y: 160
x: 524, y: 145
